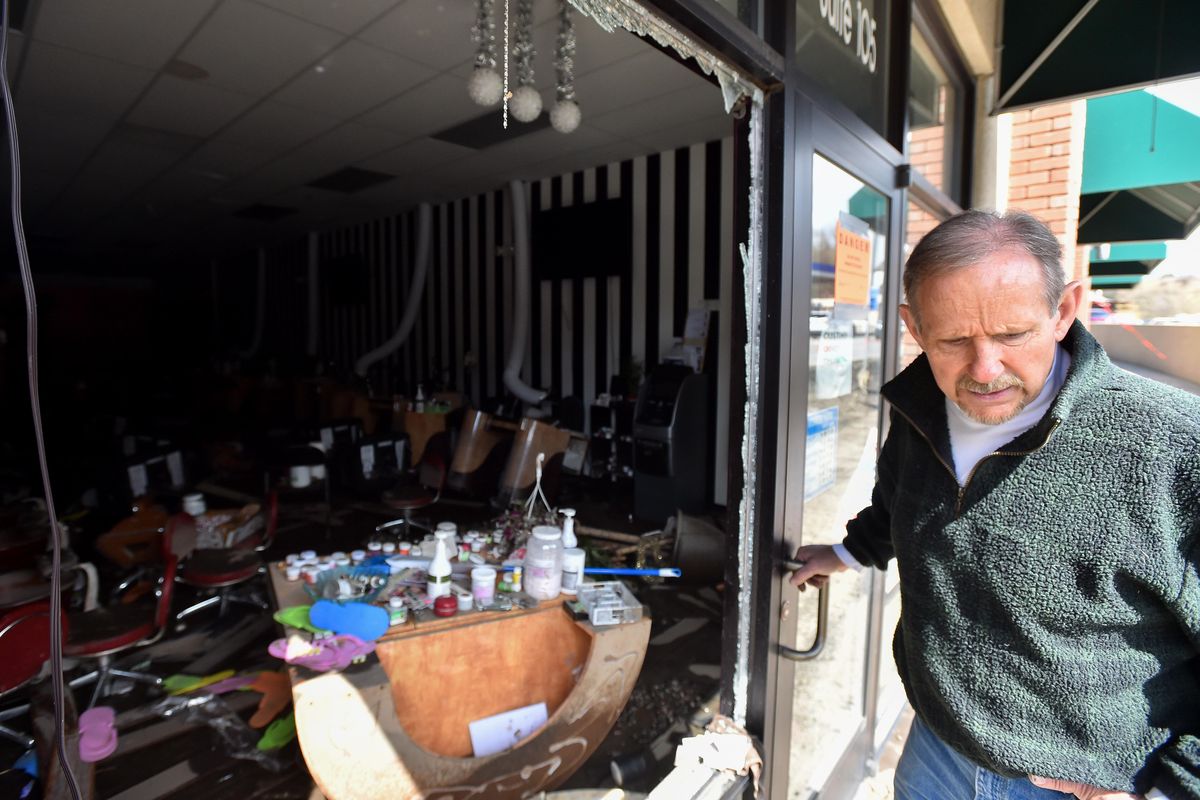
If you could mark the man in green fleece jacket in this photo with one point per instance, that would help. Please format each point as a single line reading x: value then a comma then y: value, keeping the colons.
x: 1043, y: 510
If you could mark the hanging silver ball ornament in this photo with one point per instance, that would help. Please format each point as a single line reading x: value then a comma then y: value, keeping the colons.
x: 485, y: 86
x: 565, y: 116
x: 525, y: 104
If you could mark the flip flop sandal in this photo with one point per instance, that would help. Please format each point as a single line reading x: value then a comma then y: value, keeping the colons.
x: 322, y: 655
x: 276, y: 689
x: 278, y: 733
x: 297, y: 617
x: 97, y: 734
x: 230, y: 684
x: 365, y: 621
x: 182, y: 684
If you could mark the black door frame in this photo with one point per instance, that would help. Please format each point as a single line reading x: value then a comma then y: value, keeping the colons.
x: 813, y: 130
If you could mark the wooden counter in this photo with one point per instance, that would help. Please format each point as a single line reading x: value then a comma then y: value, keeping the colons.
x: 396, y: 726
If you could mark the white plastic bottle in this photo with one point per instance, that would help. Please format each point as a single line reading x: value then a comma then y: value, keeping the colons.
x: 438, y: 576
x: 449, y: 532
x: 543, y: 563
x: 568, y: 528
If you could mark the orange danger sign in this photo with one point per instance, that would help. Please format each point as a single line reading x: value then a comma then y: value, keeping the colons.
x: 852, y: 267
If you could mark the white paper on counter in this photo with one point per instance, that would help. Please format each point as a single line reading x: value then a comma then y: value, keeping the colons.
x: 502, y: 731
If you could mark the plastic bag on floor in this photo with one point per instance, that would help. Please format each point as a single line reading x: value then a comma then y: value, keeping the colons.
x: 205, y: 709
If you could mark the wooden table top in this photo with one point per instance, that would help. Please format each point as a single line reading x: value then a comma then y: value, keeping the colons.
x: 291, y: 593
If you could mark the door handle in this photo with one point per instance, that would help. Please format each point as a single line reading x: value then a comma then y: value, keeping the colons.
x: 818, y: 644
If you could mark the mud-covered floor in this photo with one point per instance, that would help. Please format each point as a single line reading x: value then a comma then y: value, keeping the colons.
x: 208, y: 750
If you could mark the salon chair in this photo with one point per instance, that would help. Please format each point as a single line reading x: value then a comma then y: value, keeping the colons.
x: 423, y: 492
x: 531, y: 439
x: 224, y: 575
x: 25, y: 642
x: 482, y: 451
x: 134, y: 545
x: 105, y: 632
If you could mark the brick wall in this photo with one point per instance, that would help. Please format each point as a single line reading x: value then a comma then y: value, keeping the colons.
x: 926, y: 148
x: 1045, y: 172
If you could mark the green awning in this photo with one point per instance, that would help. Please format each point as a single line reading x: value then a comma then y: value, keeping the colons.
x: 1141, y: 170
x: 1127, y: 259
x: 1079, y: 48
x: 1116, y: 281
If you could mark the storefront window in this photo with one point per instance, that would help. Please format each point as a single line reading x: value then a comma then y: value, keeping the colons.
x: 842, y: 45
x: 932, y: 115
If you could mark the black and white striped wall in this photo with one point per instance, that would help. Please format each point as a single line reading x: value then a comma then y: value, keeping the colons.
x: 582, y: 330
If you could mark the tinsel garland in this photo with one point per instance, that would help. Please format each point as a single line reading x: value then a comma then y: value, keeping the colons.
x: 564, y: 57
x: 483, y: 34
x: 522, y: 46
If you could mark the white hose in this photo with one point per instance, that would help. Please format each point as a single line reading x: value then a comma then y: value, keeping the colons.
x: 412, y: 306
x: 521, y: 277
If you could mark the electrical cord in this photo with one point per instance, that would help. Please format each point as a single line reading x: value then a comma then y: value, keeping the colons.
x: 56, y: 665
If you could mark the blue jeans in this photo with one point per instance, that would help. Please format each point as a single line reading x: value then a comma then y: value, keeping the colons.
x: 930, y: 770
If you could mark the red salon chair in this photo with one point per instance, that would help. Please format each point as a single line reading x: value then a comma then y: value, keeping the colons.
x: 224, y: 575
x: 25, y: 642
x: 424, y: 492
x: 134, y: 545
x: 117, y: 628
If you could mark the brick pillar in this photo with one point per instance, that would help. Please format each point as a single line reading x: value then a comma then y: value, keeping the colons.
x: 1046, y: 171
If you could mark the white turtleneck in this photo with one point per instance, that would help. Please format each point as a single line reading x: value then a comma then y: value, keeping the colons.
x: 970, y: 440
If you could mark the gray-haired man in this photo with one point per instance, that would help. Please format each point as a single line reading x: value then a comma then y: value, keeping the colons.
x: 1043, y: 508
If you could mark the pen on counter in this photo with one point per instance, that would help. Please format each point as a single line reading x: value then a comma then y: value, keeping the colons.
x: 664, y: 572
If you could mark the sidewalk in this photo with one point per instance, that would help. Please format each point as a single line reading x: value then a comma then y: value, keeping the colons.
x: 879, y: 785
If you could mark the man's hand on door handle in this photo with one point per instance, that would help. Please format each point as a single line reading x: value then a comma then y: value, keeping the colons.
x: 818, y: 563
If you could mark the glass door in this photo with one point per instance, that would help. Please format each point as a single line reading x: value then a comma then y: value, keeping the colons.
x: 842, y: 309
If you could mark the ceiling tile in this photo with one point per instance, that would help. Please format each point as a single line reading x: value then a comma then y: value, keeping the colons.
x: 220, y: 158
x: 529, y: 151
x: 180, y: 190
x: 346, y: 145
x: 127, y: 164
x: 277, y: 126
x: 346, y: 16
x: 431, y: 107
x: 248, y: 47
x: 57, y: 143
x: 144, y: 33
x: 433, y: 32
x: 57, y: 79
x: 188, y: 107
x: 38, y: 189
x: 624, y: 83
x: 660, y: 112
x: 353, y: 79
x: 596, y: 47
x: 415, y: 156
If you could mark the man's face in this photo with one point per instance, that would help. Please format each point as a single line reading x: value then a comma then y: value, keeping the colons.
x: 988, y: 334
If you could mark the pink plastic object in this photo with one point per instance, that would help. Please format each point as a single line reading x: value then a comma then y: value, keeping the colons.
x: 97, y: 734
x: 230, y: 684
x: 334, y: 652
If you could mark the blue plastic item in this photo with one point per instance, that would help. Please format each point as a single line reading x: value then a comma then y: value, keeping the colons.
x: 365, y: 621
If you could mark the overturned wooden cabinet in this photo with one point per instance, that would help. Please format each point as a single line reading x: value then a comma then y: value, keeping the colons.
x: 397, y: 726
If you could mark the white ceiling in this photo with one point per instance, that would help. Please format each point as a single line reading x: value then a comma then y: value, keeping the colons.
x: 118, y: 152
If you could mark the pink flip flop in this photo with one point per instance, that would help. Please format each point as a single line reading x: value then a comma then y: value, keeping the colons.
x: 97, y: 734
x: 334, y: 652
